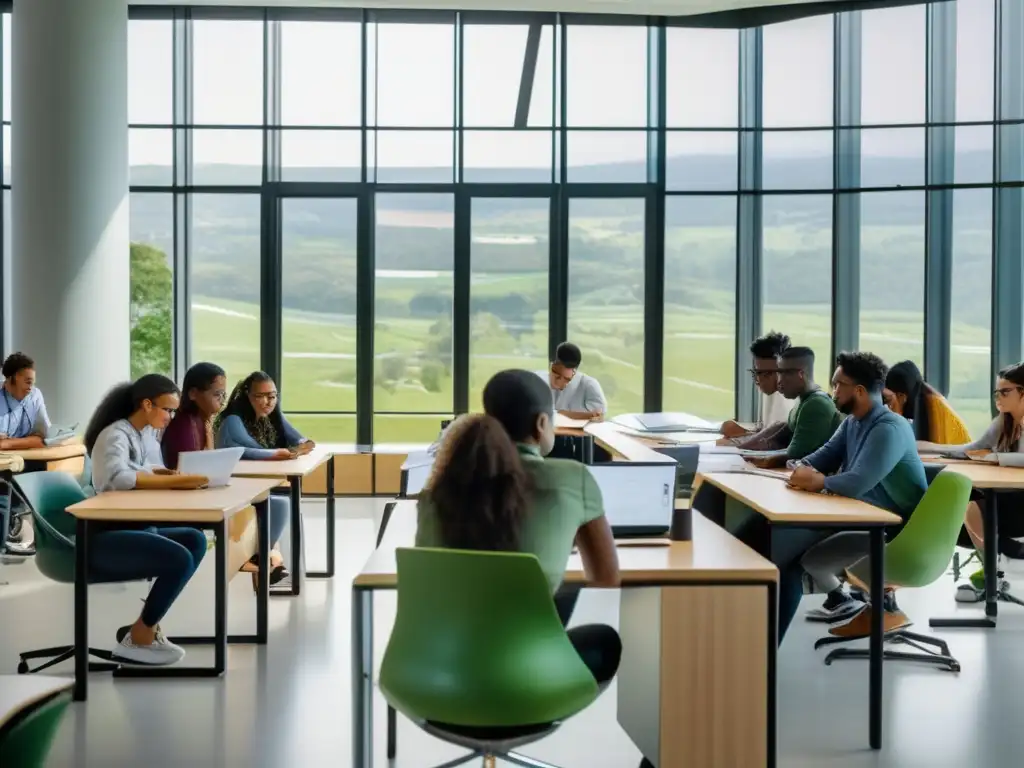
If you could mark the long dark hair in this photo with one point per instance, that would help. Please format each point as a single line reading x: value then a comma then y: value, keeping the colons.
x: 905, y: 378
x: 201, y: 377
x: 268, y: 432
x: 123, y: 400
x: 1009, y: 435
x: 479, y: 488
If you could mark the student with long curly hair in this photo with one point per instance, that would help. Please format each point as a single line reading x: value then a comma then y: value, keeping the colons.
x: 493, y: 490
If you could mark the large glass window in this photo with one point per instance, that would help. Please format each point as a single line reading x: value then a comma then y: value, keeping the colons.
x: 700, y: 305
x: 970, y: 383
x: 225, y: 266
x: 228, y: 66
x: 607, y: 76
x: 151, y: 230
x: 703, y: 78
x: 318, y: 303
x: 150, y: 71
x: 606, y: 295
x: 509, y: 288
x: 892, y: 275
x: 798, y: 74
x: 797, y: 273
x: 893, y: 62
x: 413, y: 294
x: 412, y: 80
x: 320, y: 68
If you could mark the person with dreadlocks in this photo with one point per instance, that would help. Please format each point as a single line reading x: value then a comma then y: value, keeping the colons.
x: 253, y: 420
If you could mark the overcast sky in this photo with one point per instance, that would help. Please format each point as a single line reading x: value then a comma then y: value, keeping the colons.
x: 607, y: 87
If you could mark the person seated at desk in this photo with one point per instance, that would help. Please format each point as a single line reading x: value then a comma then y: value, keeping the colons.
x: 24, y: 422
x: 121, y: 440
x: 809, y: 425
x: 253, y: 420
x: 775, y: 407
x: 575, y: 395
x: 1002, y: 436
x: 492, y: 489
x: 933, y: 419
x: 872, y: 457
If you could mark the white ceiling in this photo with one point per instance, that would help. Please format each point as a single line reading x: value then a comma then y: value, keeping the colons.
x: 640, y: 7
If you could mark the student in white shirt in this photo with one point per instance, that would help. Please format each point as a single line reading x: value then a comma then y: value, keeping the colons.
x: 23, y: 418
x: 774, y: 407
x: 574, y: 394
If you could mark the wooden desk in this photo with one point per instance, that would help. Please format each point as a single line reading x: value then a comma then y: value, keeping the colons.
x: 295, y: 471
x: 624, y: 447
x: 782, y: 506
x: 698, y: 623
x: 992, y: 480
x: 207, y: 508
x: 21, y: 693
x: 66, y: 457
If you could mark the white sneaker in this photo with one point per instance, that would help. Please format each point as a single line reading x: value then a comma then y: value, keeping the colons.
x: 161, y: 652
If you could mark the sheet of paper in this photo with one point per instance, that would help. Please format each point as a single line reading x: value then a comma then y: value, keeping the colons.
x: 1011, y: 459
x: 564, y: 422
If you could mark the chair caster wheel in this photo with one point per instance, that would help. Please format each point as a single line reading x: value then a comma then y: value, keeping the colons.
x: 22, y: 667
x: 828, y: 662
x: 954, y: 667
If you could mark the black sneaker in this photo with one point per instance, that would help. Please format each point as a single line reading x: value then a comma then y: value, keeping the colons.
x: 837, y: 607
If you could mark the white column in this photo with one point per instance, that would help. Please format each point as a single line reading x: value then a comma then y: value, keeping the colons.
x: 69, y: 198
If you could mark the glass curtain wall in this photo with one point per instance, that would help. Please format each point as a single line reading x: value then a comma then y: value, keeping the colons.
x: 382, y: 209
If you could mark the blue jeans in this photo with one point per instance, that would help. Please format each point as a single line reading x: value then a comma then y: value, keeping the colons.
x: 170, y: 556
x: 280, y: 512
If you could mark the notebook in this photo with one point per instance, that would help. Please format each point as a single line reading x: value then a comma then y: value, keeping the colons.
x: 674, y: 422
x: 217, y: 465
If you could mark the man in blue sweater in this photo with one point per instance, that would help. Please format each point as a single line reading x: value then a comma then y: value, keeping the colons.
x: 872, y: 457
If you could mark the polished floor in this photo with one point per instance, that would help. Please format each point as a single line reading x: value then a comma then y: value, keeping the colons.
x: 289, y: 704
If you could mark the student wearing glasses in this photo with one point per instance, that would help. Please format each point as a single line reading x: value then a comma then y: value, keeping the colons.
x: 775, y: 407
x: 204, y: 389
x: 1002, y: 436
x: 574, y: 394
x: 24, y: 422
x: 253, y: 420
x: 122, y: 444
x: 810, y: 424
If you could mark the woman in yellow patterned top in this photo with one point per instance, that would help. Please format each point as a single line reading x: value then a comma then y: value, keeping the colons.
x: 931, y: 415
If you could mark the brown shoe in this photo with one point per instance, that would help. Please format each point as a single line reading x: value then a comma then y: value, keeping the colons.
x: 860, y: 625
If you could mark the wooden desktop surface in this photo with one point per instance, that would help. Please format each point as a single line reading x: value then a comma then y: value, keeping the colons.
x: 623, y: 446
x: 69, y: 450
x: 17, y: 692
x: 781, y: 504
x: 207, y: 505
x: 303, y: 465
x: 713, y: 555
x: 985, y: 476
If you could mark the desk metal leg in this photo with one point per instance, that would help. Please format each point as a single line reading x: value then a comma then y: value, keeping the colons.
x: 588, y: 449
x: 263, y: 577
x: 362, y: 678
x: 329, y: 573
x: 877, y: 638
x: 81, y: 610
x: 298, y: 561
x: 990, y: 564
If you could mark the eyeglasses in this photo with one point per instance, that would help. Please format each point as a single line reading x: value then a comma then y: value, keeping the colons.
x: 756, y: 374
x: 267, y: 397
x: 169, y: 411
x: 219, y: 394
x: 1005, y: 392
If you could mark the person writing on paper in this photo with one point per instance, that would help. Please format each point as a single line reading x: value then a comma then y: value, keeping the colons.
x: 809, y: 425
x: 775, y: 407
x: 204, y: 391
x: 492, y: 489
x: 872, y: 457
x: 121, y: 441
x: 575, y: 395
x: 1002, y: 436
x: 933, y: 419
x: 253, y: 420
x: 24, y: 422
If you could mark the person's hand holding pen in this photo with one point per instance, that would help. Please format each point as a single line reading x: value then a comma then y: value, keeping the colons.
x: 807, y: 478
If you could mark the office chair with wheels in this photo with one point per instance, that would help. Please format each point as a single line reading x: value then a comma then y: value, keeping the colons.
x: 25, y: 742
x: 48, y: 495
x: 917, y: 557
x: 478, y: 656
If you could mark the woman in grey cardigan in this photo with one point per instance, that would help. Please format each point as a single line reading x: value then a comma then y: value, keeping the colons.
x: 253, y: 420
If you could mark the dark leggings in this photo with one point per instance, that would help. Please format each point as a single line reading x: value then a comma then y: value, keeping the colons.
x: 597, y: 644
x: 169, y: 555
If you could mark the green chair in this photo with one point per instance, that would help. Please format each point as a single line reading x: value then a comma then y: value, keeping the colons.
x: 48, y: 495
x: 917, y: 557
x: 478, y: 656
x: 26, y: 741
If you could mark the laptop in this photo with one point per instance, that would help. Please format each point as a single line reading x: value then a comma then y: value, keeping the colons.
x: 687, y: 460
x: 638, y: 499
x: 217, y: 464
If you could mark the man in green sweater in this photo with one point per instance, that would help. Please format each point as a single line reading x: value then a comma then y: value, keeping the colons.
x: 811, y: 423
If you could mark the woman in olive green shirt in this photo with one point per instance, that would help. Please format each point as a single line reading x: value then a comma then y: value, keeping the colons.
x: 493, y: 490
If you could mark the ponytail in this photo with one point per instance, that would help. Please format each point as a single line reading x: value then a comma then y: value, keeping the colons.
x: 117, y: 404
x: 479, y: 488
